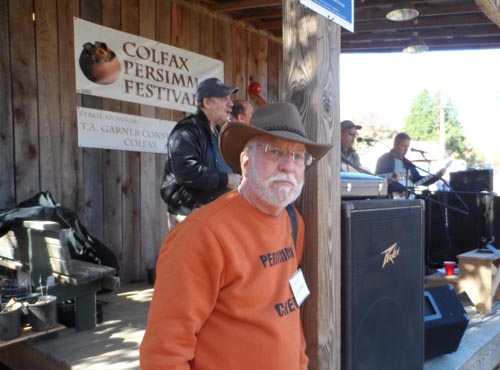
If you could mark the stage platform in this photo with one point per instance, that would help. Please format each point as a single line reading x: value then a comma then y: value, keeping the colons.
x: 480, y: 345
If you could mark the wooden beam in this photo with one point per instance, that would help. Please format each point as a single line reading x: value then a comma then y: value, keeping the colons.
x: 478, y: 31
x: 491, y: 9
x: 434, y: 45
x: 207, y: 7
x: 261, y: 15
x: 429, y: 22
x: 424, y: 10
x: 245, y: 4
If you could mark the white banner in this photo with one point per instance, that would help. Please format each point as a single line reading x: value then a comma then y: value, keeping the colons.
x: 111, y: 130
x: 118, y: 65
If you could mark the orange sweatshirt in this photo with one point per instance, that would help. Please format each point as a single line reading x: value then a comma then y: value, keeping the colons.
x: 222, y: 299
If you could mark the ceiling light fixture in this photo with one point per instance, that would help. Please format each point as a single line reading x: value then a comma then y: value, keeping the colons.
x: 416, y: 45
x: 402, y: 10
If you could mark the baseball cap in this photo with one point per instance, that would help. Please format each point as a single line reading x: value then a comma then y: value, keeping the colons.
x: 213, y: 88
x: 346, y: 125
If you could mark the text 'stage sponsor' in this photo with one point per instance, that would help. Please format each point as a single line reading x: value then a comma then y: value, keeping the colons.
x: 110, y: 130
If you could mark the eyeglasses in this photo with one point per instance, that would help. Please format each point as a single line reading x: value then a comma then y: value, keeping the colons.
x: 275, y: 153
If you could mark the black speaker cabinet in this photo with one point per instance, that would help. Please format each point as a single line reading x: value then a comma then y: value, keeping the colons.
x: 449, y: 232
x: 382, y: 285
x: 445, y: 321
x: 438, y: 242
x: 473, y: 230
x: 474, y: 180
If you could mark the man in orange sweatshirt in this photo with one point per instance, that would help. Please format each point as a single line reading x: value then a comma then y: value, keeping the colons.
x: 229, y: 286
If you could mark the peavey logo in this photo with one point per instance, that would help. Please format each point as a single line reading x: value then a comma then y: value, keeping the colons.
x: 390, y: 254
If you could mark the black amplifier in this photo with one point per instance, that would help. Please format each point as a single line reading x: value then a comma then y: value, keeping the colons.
x: 474, y: 180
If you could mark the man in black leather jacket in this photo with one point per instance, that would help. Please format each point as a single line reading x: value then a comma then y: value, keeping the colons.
x: 195, y: 172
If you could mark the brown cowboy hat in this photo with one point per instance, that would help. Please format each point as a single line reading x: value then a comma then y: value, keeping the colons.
x: 279, y: 120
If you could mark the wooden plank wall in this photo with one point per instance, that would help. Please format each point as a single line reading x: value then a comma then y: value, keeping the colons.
x: 115, y: 193
x: 7, y: 191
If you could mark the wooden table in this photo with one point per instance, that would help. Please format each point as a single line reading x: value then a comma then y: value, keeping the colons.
x: 438, y: 279
x: 36, y: 249
x: 479, y: 277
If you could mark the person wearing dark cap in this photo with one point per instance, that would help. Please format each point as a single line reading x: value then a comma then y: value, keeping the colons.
x: 349, y: 157
x: 229, y: 287
x: 195, y: 172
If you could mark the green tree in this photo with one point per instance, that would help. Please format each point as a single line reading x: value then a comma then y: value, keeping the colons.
x: 423, y: 124
x: 423, y: 120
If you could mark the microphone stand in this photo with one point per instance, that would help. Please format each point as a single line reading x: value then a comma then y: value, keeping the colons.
x: 406, y: 165
x: 455, y: 194
x: 442, y: 204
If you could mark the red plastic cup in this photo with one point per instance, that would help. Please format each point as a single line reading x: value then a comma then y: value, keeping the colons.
x: 449, y: 268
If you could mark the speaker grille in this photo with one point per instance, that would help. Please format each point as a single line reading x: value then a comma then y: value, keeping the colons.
x: 382, y: 284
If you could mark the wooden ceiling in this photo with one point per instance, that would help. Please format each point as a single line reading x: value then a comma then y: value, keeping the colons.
x: 442, y: 24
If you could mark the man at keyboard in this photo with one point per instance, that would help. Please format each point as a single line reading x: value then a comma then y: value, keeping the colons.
x: 401, y: 174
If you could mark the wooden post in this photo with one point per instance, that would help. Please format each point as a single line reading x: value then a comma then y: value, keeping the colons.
x: 311, y: 49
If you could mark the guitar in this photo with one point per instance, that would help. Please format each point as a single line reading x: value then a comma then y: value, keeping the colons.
x: 423, y: 180
x: 409, y: 184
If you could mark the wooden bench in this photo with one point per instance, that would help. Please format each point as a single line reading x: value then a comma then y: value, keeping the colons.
x: 37, y: 252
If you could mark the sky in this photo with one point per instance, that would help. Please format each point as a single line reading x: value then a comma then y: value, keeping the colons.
x: 385, y: 85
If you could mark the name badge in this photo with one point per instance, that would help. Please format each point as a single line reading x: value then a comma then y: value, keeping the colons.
x: 299, y: 287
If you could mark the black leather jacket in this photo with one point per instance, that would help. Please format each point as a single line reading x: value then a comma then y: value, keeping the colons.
x: 191, y: 178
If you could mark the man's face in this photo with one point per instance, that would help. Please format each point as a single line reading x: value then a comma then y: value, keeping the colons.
x: 348, y: 137
x: 218, y: 109
x: 275, y: 182
x: 247, y: 114
x: 401, y: 147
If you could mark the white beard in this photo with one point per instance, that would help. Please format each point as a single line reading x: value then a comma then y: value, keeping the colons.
x: 272, y: 193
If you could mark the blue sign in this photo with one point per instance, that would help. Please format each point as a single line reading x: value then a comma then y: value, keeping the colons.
x: 338, y: 11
